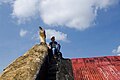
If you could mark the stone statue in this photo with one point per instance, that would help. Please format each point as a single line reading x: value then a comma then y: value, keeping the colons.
x: 42, y: 35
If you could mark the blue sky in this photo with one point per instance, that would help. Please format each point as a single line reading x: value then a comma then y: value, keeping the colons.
x: 92, y: 34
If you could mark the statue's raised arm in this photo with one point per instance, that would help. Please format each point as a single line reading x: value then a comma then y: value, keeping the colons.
x: 42, y: 35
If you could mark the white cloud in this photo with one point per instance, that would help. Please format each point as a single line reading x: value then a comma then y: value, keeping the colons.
x: 6, y: 1
x: 78, y: 14
x: 117, y: 51
x: 60, y: 36
x: 23, y: 32
x: 24, y: 10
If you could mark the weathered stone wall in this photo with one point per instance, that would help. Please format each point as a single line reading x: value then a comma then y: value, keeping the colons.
x: 65, y: 70
x: 27, y: 66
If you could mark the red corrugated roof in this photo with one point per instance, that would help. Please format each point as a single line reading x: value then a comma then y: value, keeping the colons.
x: 97, y: 68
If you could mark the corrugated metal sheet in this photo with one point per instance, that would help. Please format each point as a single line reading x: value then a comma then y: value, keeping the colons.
x: 97, y: 68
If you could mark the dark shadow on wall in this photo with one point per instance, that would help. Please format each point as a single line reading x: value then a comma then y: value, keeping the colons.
x: 43, y: 71
x: 55, y: 69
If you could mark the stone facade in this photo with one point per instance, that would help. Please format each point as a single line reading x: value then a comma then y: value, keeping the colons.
x: 27, y: 66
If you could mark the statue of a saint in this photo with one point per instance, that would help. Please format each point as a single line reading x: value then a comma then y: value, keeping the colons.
x: 42, y: 35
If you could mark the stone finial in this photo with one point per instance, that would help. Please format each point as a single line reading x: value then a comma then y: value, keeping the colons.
x: 42, y: 35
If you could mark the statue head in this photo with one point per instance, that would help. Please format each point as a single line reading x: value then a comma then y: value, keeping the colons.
x: 40, y: 28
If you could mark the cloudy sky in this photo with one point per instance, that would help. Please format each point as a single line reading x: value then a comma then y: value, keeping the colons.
x: 84, y: 28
